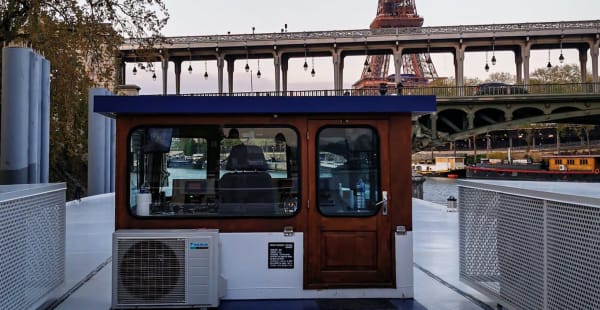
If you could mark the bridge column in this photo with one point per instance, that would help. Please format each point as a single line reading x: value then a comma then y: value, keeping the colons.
x: 177, y: 64
x: 284, y: 73
x: 220, y: 66
x: 583, y: 63
x: 336, y: 69
x: 165, y: 69
x: 230, y: 70
x: 526, y: 54
x: 121, y: 70
x: 594, y: 55
x: 277, y: 63
x: 434, y: 118
x: 341, y: 77
x: 508, y: 116
x: 519, y: 64
x: 470, y: 120
x: 459, y: 68
x: 398, y: 64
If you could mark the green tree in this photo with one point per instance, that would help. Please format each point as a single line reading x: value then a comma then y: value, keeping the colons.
x: 80, y: 39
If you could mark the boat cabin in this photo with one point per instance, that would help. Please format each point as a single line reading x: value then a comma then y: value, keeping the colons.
x: 310, y: 196
x: 589, y: 163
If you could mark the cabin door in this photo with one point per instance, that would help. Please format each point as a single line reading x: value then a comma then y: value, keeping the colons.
x: 349, y: 236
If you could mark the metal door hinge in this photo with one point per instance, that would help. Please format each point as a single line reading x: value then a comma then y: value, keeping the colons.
x: 288, y: 231
x: 400, y: 230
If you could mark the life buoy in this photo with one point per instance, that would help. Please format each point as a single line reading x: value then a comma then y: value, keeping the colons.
x: 597, y: 171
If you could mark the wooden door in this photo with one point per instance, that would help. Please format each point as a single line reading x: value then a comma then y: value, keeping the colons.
x: 349, y: 237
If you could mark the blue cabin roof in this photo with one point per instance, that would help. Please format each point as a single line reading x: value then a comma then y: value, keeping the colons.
x: 118, y: 105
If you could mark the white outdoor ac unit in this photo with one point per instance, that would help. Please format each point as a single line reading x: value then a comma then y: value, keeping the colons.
x: 165, y: 268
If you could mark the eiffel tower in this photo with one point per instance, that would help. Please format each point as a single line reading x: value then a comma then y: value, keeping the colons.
x: 417, y: 69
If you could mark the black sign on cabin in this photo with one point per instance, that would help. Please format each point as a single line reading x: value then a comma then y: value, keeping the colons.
x: 281, y: 255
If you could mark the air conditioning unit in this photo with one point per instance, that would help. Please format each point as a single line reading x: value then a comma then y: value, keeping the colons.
x: 165, y: 268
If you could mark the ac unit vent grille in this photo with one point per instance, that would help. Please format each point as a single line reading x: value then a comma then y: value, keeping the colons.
x: 151, y: 271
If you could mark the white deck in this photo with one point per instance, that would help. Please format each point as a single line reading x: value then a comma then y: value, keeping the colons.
x: 90, y: 224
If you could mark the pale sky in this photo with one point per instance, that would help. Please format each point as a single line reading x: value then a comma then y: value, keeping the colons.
x: 201, y: 17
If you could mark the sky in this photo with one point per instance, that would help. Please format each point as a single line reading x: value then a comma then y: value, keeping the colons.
x: 202, y: 17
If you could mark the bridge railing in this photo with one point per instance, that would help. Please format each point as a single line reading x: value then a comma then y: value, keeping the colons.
x: 439, y: 91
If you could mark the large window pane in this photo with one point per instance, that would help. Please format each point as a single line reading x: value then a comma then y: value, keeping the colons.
x: 214, y: 171
x: 348, y: 171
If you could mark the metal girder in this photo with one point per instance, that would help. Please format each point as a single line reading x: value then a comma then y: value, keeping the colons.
x: 514, y: 124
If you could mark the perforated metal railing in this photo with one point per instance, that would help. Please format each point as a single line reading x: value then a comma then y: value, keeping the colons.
x: 32, y: 243
x: 529, y: 249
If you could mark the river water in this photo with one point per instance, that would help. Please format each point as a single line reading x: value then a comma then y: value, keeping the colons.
x: 439, y: 189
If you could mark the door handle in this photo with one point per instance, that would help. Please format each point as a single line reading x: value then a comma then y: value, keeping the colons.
x: 383, y: 203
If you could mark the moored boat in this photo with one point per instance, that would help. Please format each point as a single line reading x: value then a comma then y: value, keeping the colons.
x: 445, y: 166
x: 577, y: 168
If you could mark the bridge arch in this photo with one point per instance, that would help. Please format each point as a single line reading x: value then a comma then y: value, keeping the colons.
x: 526, y: 112
x: 489, y: 116
x: 452, y: 120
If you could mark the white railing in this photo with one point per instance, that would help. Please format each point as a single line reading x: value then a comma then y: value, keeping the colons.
x: 32, y: 243
x: 530, y: 247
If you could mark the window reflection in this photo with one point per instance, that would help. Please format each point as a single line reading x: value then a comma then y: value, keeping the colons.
x: 348, y: 171
x: 214, y: 171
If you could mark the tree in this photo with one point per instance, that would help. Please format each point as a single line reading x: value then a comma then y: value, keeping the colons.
x: 567, y: 73
x: 503, y: 77
x: 80, y: 39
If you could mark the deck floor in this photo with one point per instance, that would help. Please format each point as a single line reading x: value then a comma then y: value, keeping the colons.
x: 90, y: 224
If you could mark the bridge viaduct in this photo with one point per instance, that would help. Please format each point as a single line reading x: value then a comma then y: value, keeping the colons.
x: 520, y: 38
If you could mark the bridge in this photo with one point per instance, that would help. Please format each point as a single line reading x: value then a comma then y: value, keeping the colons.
x: 461, y: 115
x: 520, y: 38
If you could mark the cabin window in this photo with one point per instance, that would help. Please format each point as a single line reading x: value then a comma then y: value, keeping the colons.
x: 214, y: 171
x: 570, y: 161
x: 558, y: 161
x: 583, y: 162
x: 348, y: 171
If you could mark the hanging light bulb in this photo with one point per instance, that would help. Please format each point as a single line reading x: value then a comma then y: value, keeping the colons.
x: 247, y: 67
x: 428, y: 58
x: 313, y: 72
x: 494, y: 52
x: 549, y: 65
x: 190, y: 66
x: 134, y: 69
x: 154, y: 76
x: 366, y: 55
x: 205, y: 71
x: 561, y: 58
x: 305, y: 66
x: 258, y: 74
x: 487, y: 67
